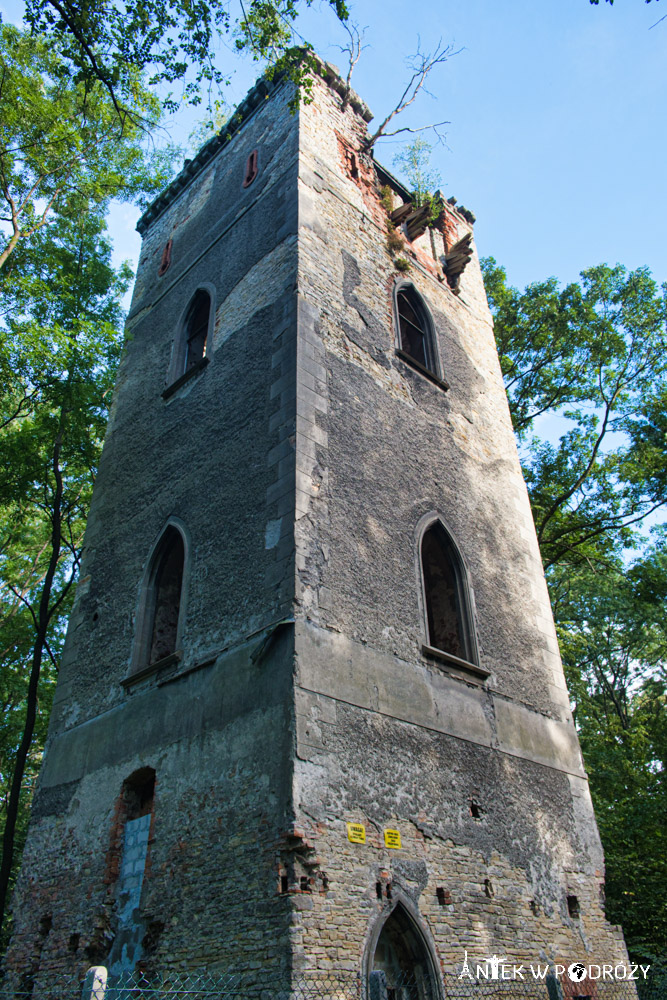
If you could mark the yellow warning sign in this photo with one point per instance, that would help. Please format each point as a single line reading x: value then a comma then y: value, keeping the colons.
x: 392, y: 838
x: 356, y: 833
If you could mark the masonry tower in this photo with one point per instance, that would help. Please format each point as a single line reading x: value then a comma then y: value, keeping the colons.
x: 311, y: 713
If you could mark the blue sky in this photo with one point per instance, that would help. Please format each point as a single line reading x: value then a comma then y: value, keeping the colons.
x: 557, y: 136
x: 557, y: 139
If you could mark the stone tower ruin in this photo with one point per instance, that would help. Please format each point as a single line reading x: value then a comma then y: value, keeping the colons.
x: 311, y: 714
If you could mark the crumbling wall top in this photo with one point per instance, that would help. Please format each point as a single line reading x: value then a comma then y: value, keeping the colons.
x: 254, y: 99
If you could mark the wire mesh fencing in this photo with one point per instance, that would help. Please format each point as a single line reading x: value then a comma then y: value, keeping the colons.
x: 325, y: 985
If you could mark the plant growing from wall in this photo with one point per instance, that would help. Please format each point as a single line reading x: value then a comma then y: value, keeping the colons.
x: 415, y: 163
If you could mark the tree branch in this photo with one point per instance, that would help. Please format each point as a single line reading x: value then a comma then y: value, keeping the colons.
x: 422, y: 64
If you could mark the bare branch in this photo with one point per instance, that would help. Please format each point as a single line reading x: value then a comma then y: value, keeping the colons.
x: 421, y: 64
x: 421, y: 128
x: 353, y: 49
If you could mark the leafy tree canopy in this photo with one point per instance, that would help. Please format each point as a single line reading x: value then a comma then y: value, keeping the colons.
x: 102, y: 40
x: 595, y: 355
x: 592, y: 356
x: 60, y: 341
x: 62, y: 144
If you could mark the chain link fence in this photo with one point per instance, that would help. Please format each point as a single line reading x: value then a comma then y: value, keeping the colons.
x: 205, y: 985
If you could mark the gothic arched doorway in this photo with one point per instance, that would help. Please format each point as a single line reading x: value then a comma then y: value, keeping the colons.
x: 400, y: 965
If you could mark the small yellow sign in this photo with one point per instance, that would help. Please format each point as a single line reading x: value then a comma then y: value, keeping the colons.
x: 392, y: 838
x: 356, y: 833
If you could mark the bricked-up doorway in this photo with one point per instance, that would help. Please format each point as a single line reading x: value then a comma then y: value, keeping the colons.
x: 402, y: 966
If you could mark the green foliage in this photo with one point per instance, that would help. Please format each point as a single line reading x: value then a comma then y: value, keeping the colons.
x: 593, y: 355
x: 174, y: 41
x: 402, y: 264
x: 422, y: 179
x: 613, y: 639
x: 59, y: 349
x: 62, y: 144
x: 386, y: 199
x: 218, y: 114
x: 395, y: 242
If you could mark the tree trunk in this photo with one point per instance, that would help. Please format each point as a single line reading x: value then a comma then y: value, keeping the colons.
x: 43, y: 620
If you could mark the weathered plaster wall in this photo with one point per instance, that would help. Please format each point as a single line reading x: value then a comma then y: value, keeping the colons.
x: 387, y: 736
x: 218, y: 729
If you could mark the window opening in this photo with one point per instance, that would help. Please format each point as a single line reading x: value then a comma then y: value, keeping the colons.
x: 444, y: 595
x: 167, y: 587
x: 166, y: 259
x: 250, y: 169
x: 573, y: 907
x: 128, y: 945
x: 138, y: 792
x: 196, y: 329
x: 413, y: 328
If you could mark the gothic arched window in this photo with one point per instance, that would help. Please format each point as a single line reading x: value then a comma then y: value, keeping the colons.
x: 448, y: 612
x: 416, y: 336
x: 165, y: 596
x: 195, y: 333
x: 161, y: 602
x: 191, y: 346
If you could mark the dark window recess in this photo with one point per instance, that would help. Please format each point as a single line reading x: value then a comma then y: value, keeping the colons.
x: 443, y: 593
x: 166, y: 259
x: 388, y: 890
x: 250, y: 169
x: 74, y: 940
x: 138, y: 792
x: 378, y: 890
x: 444, y: 896
x: 475, y: 810
x: 413, y: 328
x: 284, y: 884
x: 167, y: 597
x: 488, y: 888
x: 196, y: 329
x: 573, y: 907
x: 305, y: 886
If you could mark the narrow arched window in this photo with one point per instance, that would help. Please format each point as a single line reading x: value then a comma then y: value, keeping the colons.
x: 251, y: 169
x: 196, y: 329
x: 445, y: 594
x: 416, y: 337
x: 164, y: 603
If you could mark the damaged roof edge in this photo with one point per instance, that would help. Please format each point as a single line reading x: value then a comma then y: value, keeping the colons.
x: 254, y: 99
